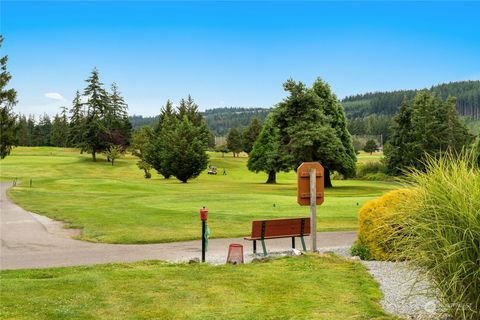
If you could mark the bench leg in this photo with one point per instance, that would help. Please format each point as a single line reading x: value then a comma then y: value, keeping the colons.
x: 293, y: 242
x: 264, y: 248
x: 254, y: 246
x: 303, y: 244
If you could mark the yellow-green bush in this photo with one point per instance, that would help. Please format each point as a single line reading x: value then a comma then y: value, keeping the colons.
x: 379, y: 226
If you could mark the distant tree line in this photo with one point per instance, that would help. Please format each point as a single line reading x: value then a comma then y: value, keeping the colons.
x: 387, y: 103
x: 219, y: 120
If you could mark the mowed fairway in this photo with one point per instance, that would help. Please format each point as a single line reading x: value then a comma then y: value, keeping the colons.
x: 306, y: 287
x: 115, y: 204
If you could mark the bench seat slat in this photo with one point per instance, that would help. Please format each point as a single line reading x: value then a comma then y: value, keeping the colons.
x: 277, y: 237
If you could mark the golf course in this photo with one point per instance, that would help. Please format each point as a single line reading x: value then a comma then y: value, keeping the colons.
x: 116, y: 204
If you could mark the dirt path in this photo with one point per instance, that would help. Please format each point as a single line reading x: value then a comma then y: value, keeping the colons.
x: 29, y: 240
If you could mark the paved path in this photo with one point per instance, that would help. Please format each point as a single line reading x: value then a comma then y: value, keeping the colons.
x: 29, y: 240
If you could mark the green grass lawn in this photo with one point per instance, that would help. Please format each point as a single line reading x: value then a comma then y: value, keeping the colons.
x: 117, y: 205
x: 306, y: 287
x: 364, y: 157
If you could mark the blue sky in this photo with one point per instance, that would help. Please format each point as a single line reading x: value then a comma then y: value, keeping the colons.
x: 233, y: 53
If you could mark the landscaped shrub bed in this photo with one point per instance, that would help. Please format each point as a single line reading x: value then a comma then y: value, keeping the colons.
x: 442, y: 221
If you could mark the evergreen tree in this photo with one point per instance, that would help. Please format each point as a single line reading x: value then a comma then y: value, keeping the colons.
x: 42, y: 131
x: 266, y: 153
x: 77, y: 122
x: 140, y: 140
x: 178, y: 147
x: 56, y: 137
x: 166, y: 111
x: 370, y: 146
x: 455, y: 135
x: 59, y: 136
x: 234, y: 141
x: 157, y: 151
x: 23, y: 132
x: 190, y: 110
x: 400, y: 151
x: 251, y: 134
x: 96, y: 136
x: 118, y: 106
x: 8, y: 98
x: 313, y: 128
x: 118, y: 124
x: 31, y: 128
x: 426, y: 126
x: 187, y: 156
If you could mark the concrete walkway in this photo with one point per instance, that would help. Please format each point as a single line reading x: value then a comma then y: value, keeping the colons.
x: 29, y: 240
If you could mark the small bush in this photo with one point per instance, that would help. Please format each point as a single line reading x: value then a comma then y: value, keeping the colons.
x: 379, y: 225
x: 371, y: 167
x: 443, y: 226
x: 360, y: 250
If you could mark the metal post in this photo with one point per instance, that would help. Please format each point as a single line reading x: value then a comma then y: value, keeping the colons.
x: 203, y: 240
x: 313, y: 208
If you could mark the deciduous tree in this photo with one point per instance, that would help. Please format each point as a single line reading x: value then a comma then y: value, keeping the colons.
x: 370, y: 146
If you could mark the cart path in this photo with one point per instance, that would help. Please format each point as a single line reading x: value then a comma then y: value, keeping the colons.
x: 29, y: 240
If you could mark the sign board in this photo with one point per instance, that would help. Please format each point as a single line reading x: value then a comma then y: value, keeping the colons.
x: 303, y: 183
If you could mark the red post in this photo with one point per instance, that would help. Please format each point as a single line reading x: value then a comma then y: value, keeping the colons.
x: 203, y: 217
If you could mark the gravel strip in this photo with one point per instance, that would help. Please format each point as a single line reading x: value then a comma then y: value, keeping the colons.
x: 406, y: 294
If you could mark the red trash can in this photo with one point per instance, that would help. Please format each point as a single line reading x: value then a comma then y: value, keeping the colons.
x: 235, y: 254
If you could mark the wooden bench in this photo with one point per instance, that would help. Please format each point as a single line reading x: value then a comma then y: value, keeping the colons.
x: 279, y: 228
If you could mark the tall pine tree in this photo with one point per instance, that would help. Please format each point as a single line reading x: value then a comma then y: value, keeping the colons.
x: 77, y: 122
x: 96, y: 136
x: 8, y: 98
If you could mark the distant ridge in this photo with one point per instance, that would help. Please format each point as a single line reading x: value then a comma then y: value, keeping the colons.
x: 219, y: 120
x: 387, y: 103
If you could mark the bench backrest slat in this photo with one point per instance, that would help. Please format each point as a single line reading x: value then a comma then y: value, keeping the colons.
x: 281, y: 227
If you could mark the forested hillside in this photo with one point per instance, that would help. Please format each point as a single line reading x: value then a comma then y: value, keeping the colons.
x: 219, y: 120
x: 387, y: 103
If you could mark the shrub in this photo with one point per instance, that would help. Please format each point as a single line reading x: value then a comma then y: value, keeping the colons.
x: 443, y: 226
x: 371, y: 167
x: 360, y: 250
x: 379, y: 225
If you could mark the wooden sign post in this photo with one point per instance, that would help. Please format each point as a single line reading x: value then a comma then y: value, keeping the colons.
x: 310, y: 191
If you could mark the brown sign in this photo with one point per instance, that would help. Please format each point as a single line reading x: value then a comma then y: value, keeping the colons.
x: 303, y: 183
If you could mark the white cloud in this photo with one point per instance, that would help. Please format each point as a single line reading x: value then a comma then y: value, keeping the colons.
x: 55, y: 96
